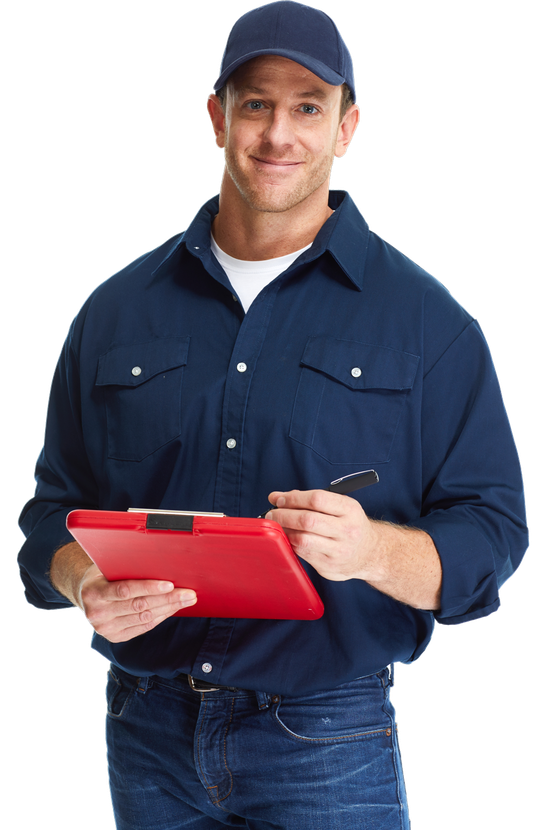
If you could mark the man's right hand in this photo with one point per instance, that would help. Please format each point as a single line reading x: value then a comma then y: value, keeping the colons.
x: 118, y: 611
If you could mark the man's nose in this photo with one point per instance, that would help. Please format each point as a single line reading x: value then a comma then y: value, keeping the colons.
x: 280, y: 129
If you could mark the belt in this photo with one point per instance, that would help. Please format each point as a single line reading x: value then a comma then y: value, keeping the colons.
x: 203, y: 686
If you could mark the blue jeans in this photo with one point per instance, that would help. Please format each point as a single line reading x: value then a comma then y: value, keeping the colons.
x: 325, y: 761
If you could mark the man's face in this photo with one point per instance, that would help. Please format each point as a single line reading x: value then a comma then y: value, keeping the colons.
x: 280, y: 133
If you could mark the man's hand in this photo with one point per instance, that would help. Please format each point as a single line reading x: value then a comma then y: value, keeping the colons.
x: 118, y: 611
x: 330, y: 531
x: 334, y: 535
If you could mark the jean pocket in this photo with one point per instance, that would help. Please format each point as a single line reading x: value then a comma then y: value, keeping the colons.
x: 350, y: 399
x: 118, y: 693
x: 142, y: 384
x: 353, y: 711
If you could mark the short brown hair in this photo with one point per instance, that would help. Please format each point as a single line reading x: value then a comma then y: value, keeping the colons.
x: 345, y: 102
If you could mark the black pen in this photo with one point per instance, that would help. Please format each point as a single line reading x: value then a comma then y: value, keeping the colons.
x: 346, y: 484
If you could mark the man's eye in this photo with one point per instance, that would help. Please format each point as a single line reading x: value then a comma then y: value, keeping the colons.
x: 308, y: 109
x: 255, y: 105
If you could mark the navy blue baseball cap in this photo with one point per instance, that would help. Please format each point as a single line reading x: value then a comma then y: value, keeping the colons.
x: 291, y: 30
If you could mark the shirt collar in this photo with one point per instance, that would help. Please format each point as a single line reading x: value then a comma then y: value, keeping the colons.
x: 345, y: 235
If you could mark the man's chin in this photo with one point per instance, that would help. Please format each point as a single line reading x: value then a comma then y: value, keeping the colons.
x: 273, y: 200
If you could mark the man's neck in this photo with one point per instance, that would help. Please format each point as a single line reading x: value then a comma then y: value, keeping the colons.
x: 245, y: 233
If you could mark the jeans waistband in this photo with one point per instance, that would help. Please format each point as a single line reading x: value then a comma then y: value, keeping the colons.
x: 198, y: 686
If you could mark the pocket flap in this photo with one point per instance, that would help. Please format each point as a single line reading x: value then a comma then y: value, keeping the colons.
x: 361, y: 365
x: 136, y: 363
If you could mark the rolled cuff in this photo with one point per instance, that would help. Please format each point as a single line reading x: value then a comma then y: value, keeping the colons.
x: 35, y: 561
x: 470, y: 587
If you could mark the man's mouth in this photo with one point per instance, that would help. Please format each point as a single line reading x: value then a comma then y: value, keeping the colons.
x: 276, y: 162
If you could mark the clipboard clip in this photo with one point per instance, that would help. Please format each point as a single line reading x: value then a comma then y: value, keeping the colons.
x: 169, y: 521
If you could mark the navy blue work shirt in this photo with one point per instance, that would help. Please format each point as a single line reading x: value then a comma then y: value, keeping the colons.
x: 230, y: 406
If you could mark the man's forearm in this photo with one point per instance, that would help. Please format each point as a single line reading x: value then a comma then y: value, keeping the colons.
x: 68, y: 567
x: 406, y: 566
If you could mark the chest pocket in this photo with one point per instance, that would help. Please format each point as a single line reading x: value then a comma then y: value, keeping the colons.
x: 142, y: 392
x: 350, y: 399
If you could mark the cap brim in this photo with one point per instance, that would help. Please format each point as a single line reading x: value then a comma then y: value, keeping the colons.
x: 320, y: 69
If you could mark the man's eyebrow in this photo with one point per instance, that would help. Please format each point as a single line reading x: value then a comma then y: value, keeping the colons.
x: 316, y: 93
x: 244, y: 90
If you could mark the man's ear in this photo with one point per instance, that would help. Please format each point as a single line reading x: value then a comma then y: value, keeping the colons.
x: 217, y: 116
x: 346, y: 130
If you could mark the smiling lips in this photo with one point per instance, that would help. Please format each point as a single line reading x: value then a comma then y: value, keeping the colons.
x: 276, y: 162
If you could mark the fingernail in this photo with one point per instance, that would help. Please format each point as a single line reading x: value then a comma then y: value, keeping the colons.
x: 164, y: 587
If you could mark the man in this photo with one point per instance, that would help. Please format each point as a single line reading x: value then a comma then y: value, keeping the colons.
x: 274, y: 346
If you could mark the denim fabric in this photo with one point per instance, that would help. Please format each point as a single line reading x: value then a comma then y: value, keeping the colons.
x: 324, y: 761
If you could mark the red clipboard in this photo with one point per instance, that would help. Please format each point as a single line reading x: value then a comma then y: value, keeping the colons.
x: 238, y: 567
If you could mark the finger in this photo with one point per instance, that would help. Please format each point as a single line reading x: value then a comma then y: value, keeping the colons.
x: 317, y: 501
x: 306, y: 526
x: 117, y: 634
x: 152, y: 615
x: 127, y: 589
x: 103, y: 600
x: 110, y: 609
x: 309, y: 512
x: 154, y: 604
x: 96, y: 592
x: 123, y: 627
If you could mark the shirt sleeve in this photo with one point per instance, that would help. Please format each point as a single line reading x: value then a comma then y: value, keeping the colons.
x: 64, y: 482
x: 473, y: 505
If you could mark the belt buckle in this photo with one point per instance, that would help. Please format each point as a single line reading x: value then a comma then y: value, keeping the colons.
x: 195, y: 688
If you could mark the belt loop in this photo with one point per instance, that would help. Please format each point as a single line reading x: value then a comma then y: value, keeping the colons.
x: 143, y: 685
x: 263, y: 700
x: 392, y: 674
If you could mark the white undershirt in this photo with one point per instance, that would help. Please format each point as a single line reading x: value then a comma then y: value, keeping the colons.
x: 248, y: 278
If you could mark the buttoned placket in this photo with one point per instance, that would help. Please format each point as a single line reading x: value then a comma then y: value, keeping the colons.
x: 242, y: 367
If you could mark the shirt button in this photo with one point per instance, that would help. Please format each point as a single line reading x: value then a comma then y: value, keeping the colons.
x: 356, y: 372
x: 231, y: 443
x: 207, y: 667
x: 136, y: 371
x: 242, y: 367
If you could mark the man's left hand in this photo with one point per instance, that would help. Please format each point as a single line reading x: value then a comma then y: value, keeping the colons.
x: 335, y: 536
x: 331, y: 532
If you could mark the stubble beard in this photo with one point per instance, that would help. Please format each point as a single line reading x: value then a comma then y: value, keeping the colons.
x: 275, y: 198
